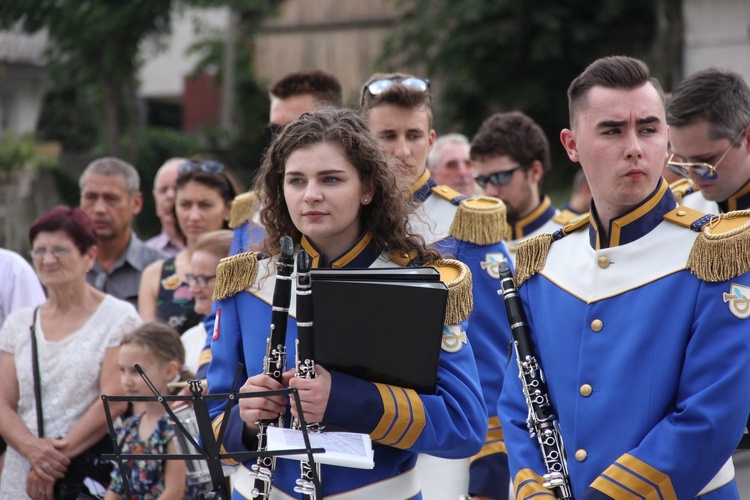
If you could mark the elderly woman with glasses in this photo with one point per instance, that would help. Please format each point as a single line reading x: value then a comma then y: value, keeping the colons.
x: 203, y: 197
x: 77, y: 332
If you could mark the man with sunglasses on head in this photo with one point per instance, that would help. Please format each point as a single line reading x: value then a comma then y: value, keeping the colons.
x: 291, y: 96
x: 397, y: 108
x: 111, y: 196
x: 511, y: 155
x: 709, y: 122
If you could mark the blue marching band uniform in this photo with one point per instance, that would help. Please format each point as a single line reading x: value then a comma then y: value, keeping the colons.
x: 472, y: 230
x: 546, y: 218
x: 644, y: 342
x: 401, y: 423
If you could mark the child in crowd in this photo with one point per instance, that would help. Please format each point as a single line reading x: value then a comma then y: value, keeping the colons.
x: 158, y: 350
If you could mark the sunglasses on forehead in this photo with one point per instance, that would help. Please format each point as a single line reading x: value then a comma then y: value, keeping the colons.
x: 377, y: 87
x: 210, y: 167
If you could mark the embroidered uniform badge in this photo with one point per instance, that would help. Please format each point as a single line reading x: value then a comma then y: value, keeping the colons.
x: 739, y: 301
x: 215, y: 335
x: 490, y: 264
x: 453, y: 338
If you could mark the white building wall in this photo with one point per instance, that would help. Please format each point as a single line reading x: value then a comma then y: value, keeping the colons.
x: 166, y: 62
x: 717, y: 33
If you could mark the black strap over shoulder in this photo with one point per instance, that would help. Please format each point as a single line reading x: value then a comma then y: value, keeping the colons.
x: 37, y: 379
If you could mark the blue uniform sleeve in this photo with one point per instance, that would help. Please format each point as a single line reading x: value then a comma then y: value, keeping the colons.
x: 448, y: 424
x: 490, y: 338
x: 205, y: 357
x: 226, y: 351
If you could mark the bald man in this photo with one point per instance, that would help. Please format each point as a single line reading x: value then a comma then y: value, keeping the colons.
x: 169, y: 240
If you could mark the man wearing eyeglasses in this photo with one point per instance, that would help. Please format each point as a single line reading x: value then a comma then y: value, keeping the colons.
x: 398, y: 110
x: 511, y: 155
x: 111, y: 196
x: 709, y: 121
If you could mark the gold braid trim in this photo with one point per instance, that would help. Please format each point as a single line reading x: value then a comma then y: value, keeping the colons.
x: 235, y: 274
x: 243, y: 208
x: 457, y: 276
x: 679, y: 188
x: 480, y: 220
x: 531, y: 256
x: 721, y: 251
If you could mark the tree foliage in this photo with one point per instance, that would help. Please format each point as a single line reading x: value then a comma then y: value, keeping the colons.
x: 486, y: 56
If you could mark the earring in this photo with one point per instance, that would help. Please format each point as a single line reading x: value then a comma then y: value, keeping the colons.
x: 365, y: 200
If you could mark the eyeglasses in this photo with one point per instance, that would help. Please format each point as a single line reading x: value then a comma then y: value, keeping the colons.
x: 210, y: 167
x: 703, y: 169
x: 196, y: 279
x: 498, y: 178
x: 377, y: 87
x: 57, y: 252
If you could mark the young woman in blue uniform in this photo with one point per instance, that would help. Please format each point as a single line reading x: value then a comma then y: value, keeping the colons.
x: 326, y: 183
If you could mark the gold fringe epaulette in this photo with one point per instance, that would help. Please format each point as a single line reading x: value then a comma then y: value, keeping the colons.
x: 682, y: 187
x: 235, y: 274
x: 566, y: 217
x: 531, y: 254
x: 457, y: 276
x: 243, y: 209
x: 722, y: 250
x: 481, y: 220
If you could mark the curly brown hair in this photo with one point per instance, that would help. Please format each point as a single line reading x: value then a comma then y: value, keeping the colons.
x: 386, y: 217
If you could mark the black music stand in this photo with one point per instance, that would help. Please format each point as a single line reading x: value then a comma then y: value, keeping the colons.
x: 211, y: 449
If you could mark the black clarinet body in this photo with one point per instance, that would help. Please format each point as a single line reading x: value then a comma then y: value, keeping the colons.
x: 305, y: 366
x: 274, y: 362
x: 542, y: 420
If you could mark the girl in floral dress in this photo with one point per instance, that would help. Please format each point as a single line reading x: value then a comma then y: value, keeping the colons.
x: 158, y: 350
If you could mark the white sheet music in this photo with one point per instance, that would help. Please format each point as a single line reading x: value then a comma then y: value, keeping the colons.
x: 346, y: 449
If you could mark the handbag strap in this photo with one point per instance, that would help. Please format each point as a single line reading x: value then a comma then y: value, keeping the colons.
x: 37, y: 379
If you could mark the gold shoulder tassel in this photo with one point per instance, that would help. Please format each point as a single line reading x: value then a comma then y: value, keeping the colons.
x: 680, y: 188
x: 480, y: 220
x: 531, y: 256
x: 722, y: 250
x: 235, y: 274
x: 243, y: 208
x: 457, y: 276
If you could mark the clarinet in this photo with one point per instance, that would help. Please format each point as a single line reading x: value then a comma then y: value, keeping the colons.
x: 305, y: 365
x: 542, y: 421
x: 274, y: 363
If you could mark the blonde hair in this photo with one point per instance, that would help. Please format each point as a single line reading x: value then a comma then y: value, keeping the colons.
x: 164, y: 344
x: 215, y: 242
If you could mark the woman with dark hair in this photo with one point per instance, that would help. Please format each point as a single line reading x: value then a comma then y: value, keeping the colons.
x: 78, y: 331
x: 203, y: 197
x: 326, y: 183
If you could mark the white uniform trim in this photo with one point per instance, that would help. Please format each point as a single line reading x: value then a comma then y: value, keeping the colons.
x: 575, y: 267
x: 726, y: 474
x: 405, y: 485
x: 433, y: 218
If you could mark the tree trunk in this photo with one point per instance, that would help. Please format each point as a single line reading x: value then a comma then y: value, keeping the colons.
x: 111, y: 115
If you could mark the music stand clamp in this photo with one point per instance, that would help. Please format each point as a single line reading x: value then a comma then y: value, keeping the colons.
x: 210, y: 451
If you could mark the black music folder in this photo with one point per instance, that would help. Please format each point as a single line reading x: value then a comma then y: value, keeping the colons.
x: 381, y: 325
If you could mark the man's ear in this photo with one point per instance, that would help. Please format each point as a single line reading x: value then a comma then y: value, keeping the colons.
x: 137, y: 203
x: 431, y: 139
x: 568, y: 139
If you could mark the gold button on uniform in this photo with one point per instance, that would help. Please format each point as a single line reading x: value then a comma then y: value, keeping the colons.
x: 581, y: 455
x: 585, y: 390
x: 597, y: 325
x: 681, y: 213
x: 603, y: 262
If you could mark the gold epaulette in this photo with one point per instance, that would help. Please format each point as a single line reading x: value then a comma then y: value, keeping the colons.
x: 721, y: 250
x: 566, y: 217
x: 235, y: 274
x: 481, y: 220
x: 457, y: 276
x: 682, y: 187
x: 531, y: 254
x: 243, y: 209
x: 446, y: 192
x: 402, y: 259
